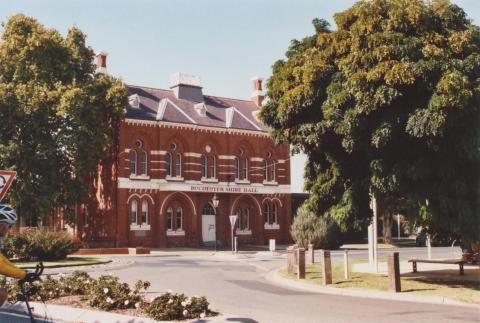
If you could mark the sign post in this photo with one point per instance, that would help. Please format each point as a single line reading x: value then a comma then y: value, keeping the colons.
x: 6, y: 179
x: 233, y: 219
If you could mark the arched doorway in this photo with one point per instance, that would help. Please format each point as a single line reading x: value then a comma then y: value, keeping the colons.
x: 209, y: 232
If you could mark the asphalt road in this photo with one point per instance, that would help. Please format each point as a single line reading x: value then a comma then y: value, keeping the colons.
x: 237, y: 286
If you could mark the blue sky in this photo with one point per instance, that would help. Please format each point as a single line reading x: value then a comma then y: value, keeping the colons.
x: 225, y: 42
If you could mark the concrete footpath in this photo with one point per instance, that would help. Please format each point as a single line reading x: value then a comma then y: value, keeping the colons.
x: 65, y: 314
x: 275, y: 277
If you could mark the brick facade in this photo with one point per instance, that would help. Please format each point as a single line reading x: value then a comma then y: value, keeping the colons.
x: 157, y: 190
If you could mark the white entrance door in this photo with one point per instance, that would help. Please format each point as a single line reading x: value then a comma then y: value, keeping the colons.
x: 208, y: 227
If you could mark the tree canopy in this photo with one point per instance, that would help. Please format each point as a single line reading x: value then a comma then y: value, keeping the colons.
x: 58, y: 119
x: 387, y: 104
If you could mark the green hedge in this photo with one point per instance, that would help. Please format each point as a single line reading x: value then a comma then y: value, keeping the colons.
x: 40, y: 244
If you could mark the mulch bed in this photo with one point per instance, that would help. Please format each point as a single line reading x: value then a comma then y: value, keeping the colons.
x: 77, y: 302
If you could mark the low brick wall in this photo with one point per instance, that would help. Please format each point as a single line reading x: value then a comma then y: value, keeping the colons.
x: 142, y: 251
x: 103, y: 251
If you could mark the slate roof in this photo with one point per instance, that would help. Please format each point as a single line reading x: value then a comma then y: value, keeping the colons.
x: 216, y: 115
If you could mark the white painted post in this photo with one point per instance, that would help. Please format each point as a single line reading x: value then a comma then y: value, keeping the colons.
x: 370, y: 246
x: 345, y: 263
x: 429, y: 246
x: 398, y: 224
x: 272, y: 245
x: 236, y: 244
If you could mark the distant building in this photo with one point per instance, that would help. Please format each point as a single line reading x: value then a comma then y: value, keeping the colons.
x: 178, y: 149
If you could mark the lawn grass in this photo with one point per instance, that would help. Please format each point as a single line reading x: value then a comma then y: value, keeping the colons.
x: 449, y: 286
x: 69, y: 262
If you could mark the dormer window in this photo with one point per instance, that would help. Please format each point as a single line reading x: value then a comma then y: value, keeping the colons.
x: 201, y: 109
x: 134, y: 101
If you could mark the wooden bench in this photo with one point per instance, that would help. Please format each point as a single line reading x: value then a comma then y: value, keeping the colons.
x: 458, y: 262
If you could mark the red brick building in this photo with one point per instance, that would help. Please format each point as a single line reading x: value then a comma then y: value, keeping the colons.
x: 178, y: 150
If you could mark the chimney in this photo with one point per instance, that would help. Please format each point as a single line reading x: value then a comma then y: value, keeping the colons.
x: 257, y: 94
x: 101, y: 57
x: 186, y: 87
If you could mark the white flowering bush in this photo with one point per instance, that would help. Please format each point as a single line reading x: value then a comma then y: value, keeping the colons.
x: 171, y: 306
x: 108, y: 293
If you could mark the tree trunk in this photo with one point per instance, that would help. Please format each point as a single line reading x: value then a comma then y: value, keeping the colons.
x: 387, y: 227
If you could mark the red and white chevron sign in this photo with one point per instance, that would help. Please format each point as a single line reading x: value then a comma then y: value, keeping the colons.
x: 6, y: 179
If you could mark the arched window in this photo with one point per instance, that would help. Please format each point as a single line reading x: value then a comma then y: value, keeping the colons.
x: 143, y: 163
x: 208, y: 209
x: 245, y: 169
x: 204, y: 166
x: 213, y: 168
x: 237, y: 168
x: 239, y: 219
x: 133, y: 212
x: 144, y: 212
x: 170, y: 219
x: 274, y: 217
x: 246, y: 219
x: 133, y: 162
x: 179, y: 219
x: 266, y: 212
x: 265, y: 170
x: 178, y: 165
x: 168, y: 162
x: 272, y: 171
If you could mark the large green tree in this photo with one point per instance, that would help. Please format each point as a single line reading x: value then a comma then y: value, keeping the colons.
x: 58, y: 119
x: 387, y: 104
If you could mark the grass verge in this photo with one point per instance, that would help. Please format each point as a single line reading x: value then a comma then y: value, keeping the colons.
x: 425, y: 284
x: 69, y: 262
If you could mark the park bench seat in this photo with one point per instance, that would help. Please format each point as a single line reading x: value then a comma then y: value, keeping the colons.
x: 458, y: 262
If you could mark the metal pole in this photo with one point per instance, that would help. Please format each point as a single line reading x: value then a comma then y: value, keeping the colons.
x: 375, y: 234
x: 215, y: 230
x: 232, y: 242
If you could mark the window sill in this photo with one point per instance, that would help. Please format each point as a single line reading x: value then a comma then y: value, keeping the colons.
x: 273, y: 226
x: 242, y: 181
x: 174, y: 178
x: 175, y: 233
x: 139, y: 227
x: 271, y: 183
x: 209, y: 180
x: 243, y: 232
x: 140, y: 177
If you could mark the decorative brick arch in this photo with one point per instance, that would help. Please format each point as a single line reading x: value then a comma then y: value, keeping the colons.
x: 139, y: 197
x: 235, y: 202
x: 272, y: 199
x: 171, y: 195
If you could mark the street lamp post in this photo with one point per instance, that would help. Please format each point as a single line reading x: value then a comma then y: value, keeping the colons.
x: 215, y: 202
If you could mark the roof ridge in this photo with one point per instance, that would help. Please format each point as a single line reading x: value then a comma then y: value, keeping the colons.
x: 209, y: 95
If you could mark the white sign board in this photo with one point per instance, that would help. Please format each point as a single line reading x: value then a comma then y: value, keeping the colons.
x: 233, y: 219
x: 6, y: 179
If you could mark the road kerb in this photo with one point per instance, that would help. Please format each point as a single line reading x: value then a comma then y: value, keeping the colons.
x: 275, y: 277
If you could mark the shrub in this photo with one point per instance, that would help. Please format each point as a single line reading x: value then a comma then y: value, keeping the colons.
x: 108, y: 293
x: 170, y: 306
x: 308, y: 228
x: 40, y: 245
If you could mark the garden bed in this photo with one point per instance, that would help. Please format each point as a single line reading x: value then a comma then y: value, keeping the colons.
x: 69, y: 262
x: 109, y: 294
